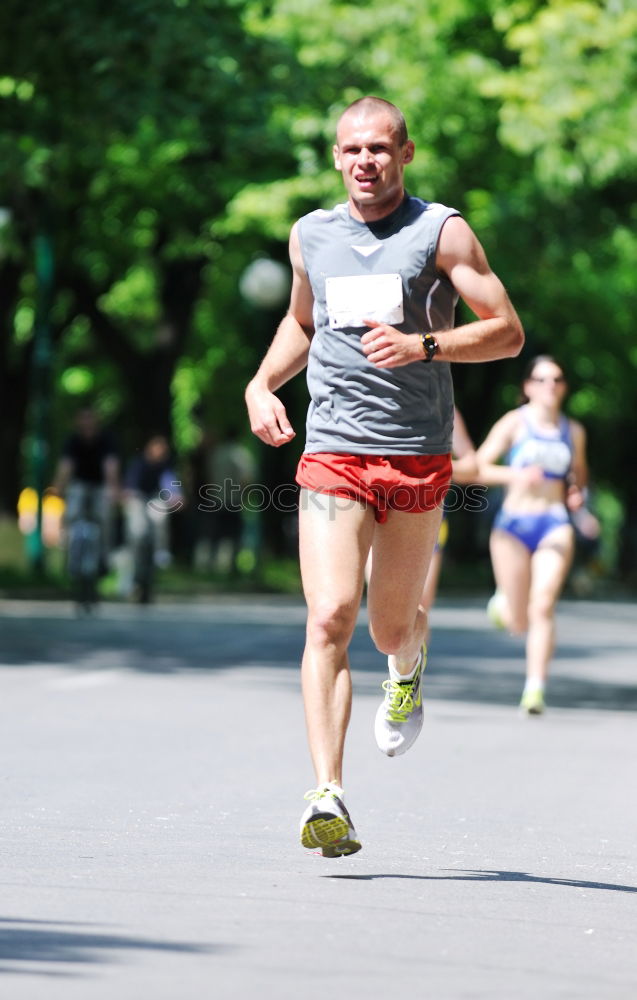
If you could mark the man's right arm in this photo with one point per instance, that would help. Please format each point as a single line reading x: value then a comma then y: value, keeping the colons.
x: 285, y: 358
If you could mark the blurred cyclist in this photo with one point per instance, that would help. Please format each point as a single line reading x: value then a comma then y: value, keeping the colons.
x: 88, y: 475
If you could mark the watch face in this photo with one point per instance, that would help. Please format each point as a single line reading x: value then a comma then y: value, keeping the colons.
x: 430, y: 346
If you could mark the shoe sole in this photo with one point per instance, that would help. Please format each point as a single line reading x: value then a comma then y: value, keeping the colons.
x: 331, y: 834
x: 341, y: 850
x: 324, y: 830
x: 532, y: 709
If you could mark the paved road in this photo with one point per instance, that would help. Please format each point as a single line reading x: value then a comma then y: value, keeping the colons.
x: 152, y: 771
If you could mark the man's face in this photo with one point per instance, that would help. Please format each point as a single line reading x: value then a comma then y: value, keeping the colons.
x: 372, y: 162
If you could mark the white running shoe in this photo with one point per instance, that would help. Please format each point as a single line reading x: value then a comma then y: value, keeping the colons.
x: 496, y: 609
x: 326, y: 823
x: 532, y: 702
x: 399, y: 718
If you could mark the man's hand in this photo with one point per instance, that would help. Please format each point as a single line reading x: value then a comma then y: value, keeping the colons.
x: 268, y: 419
x: 387, y: 347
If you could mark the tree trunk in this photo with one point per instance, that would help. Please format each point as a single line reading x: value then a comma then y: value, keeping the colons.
x: 15, y: 370
x: 148, y: 375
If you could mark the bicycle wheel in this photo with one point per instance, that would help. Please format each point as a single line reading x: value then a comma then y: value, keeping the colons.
x: 83, y: 561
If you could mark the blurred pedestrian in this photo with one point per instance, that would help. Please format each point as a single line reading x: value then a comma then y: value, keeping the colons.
x: 230, y: 469
x: 532, y: 540
x: 152, y: 492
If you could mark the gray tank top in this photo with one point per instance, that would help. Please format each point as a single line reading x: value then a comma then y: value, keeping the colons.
x: 385, y: 271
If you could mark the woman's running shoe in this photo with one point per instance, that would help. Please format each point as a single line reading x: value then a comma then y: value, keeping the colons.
x: 495, y: 609
x: 532, y: 702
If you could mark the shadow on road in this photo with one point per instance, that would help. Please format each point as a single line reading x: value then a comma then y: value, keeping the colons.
x: 466, y: 664
x: 44, y: 941
x: 478, y: 875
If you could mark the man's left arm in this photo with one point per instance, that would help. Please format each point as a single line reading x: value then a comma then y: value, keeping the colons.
x: 497, y: 333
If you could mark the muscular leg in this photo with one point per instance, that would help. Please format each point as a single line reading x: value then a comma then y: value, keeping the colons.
x: 402, y: 550
x: 511, y: 562
x: 549, y: 566
x: 335, y: 535
x: 430, y: 589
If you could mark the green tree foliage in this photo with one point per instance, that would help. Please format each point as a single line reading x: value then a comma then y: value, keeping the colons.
x: 165, y: 143
x: 571, y: 100
x: 125, y: 133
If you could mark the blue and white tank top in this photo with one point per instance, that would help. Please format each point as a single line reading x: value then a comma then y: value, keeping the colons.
x: 553, y: 452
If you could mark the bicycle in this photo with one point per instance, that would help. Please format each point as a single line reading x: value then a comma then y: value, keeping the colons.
x: 84, y: 545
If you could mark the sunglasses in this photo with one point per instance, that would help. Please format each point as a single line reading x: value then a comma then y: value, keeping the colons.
x: 556, y: 379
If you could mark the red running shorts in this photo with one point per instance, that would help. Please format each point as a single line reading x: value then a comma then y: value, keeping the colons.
x: 410, y: 483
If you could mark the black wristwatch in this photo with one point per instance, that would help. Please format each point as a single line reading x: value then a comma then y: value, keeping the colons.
x: 429, y: 346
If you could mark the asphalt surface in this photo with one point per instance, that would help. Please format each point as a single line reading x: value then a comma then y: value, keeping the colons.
x: 152, y: 770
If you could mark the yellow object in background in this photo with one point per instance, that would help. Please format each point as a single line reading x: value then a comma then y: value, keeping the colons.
x: 443, y: 533
x: 52, y: 514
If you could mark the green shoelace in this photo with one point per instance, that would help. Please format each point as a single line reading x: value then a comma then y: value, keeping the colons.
x: 401, y: 699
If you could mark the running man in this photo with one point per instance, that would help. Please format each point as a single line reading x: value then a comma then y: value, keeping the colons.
x: 375, y: 284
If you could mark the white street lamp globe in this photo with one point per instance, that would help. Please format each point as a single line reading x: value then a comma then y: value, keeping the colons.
x: 265, y: 283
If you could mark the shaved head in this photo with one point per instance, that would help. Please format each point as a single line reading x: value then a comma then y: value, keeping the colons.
x: 367, y: 106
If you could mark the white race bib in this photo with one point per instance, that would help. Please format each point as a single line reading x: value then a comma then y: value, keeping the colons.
x: 355, y: 298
